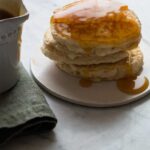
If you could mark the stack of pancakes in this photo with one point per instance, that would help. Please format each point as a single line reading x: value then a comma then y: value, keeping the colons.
x: 95, y: 39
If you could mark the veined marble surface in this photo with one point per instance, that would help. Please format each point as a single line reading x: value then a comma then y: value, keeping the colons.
x: 81, y: 128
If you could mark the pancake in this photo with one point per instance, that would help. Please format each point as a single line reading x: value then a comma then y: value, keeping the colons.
x: 95, y: 39
x: 100, y: 27
x: 58, y: 52
x: 132, y: 66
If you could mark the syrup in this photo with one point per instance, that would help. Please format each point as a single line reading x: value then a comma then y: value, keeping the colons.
x: 128, y: 85
x: 5, y: 14
x: 86, y: 9
x: 86, y: 83
x: 80, y: 20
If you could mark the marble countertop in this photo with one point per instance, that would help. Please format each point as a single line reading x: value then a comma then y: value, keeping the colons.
x: 82, y: 128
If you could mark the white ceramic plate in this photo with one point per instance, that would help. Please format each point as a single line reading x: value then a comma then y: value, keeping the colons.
x: 66, y: 87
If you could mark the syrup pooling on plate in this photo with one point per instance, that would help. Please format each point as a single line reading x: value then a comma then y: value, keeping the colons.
x: 128, y: 85
x: 85, y: 83
x: 94, y: 20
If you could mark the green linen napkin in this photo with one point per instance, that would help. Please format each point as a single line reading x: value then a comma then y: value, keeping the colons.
x: 24, y: 110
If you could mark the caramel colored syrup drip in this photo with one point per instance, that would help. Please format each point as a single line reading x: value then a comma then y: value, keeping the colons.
x: 86, y: 83
x: 127, y: 85
x: 81, y: 20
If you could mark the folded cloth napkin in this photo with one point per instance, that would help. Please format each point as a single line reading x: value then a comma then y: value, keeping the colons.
x: 24, y: 110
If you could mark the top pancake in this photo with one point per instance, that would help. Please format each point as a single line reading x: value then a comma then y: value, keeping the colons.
x: 94, y: 25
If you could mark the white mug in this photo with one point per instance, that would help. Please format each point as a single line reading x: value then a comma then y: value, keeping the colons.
x: 10, y: 41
